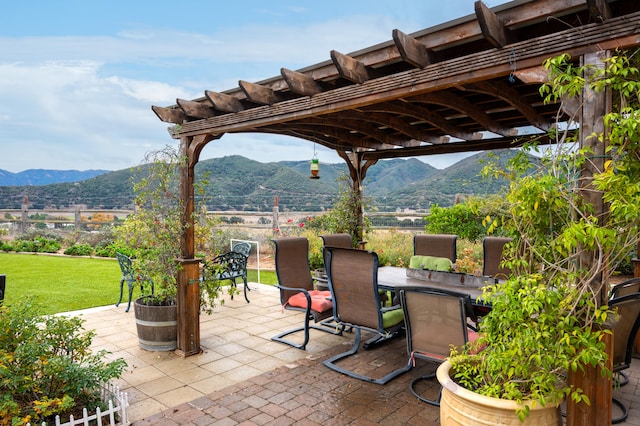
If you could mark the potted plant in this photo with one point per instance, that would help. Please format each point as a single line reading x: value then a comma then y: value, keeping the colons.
x: 153, y: 233
x: 549, y: 318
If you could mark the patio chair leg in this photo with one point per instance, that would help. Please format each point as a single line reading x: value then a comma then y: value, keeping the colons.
x: 331, y: 363
x: 623, y: 408
x: 307, y: 326
x: 435, y: 402
x: 246, y: 287
x: 121, y: 285
x: 130, y: 296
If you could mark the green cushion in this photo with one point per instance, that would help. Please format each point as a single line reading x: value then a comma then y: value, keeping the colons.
x: 392, y: 317
x: 431, y: 262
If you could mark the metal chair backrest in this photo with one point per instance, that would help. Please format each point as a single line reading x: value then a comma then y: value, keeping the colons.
x: 492, y: 248
x: 126, y: 266
x: 334, y: 240
x: 435, y: 319
x: 292, y: 265
x: 624, y: 288
x: 437, y: 245
x: 625, y: 329
x: 353, y: 281
x: 242, y: 248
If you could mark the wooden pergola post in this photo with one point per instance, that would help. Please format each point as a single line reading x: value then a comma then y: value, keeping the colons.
x: 597, y: 386
x: 358, y: 171
x: 188, y: 296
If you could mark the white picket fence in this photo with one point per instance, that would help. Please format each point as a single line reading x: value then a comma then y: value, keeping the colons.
x: 111, y: 395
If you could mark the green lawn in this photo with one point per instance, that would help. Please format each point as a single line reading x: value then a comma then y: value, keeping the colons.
x: 62, y: 283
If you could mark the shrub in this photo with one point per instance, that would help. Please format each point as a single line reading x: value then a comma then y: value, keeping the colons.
x: 79, y: 250
x: 46, y: 365
x: 393, y: 247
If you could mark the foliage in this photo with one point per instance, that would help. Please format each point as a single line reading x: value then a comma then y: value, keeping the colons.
x: 467, y: 220
x: 547, y: 318
x: 37, y: 245
x: 393, y: 247
x: 47, y: 366
x: 344, y: 213
x: 79, y: 250
x: 469, y: 257
x: 155, y: 230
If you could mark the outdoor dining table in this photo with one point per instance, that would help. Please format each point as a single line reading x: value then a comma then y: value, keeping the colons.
x: 395, y: 279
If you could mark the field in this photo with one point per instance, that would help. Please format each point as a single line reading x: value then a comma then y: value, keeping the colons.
x: 64, y: 283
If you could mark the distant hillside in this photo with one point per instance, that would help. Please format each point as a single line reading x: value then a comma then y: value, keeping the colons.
x: 34, y: 177
x: 238, y: 183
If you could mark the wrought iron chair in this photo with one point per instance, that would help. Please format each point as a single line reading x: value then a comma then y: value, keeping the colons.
x: 435, y: 319
x: 130, y: 277
x: 492, y: 248
x: 297, y: 292
x: 227, y: 266
x: 624, y: 334
x: 353, y: 281
x: 437, y: 245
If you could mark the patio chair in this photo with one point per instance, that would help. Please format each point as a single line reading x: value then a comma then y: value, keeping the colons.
x: 332, y: 240
x: 353, y: 281
x: 435, y: 319
x: 624, y: 335
x: 492, y: 248
x: 227, y: 266
x: 626, y: 287
x: 297, y: 292
x: 242, y: 247
x: 436, y: 245
x: 130, y: 277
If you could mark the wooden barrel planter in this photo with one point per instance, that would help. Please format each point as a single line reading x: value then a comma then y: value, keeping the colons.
x: 157, y: 325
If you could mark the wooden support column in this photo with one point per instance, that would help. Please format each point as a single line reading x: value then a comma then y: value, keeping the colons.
x: 188, y: 296
x: 358, y: 171
x: 596, y: 386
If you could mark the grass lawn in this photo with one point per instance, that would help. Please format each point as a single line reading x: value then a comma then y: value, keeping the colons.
x: 63, y: 283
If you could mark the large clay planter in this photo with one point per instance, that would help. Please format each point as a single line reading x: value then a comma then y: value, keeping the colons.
x: 157, y: 326
x: 460, y: 406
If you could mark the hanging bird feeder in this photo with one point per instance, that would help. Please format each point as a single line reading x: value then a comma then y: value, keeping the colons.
x: 315, y: 169
x: 315, y: 165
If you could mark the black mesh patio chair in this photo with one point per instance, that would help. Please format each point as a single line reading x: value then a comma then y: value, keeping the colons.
x: 353, y: 281
x: 436, y: 245
x: 297, y: 291
x: 624, y: 335
x: 435, y: 319
x: 492, y: 248
x: 130, y: 276
x: 331, y: 240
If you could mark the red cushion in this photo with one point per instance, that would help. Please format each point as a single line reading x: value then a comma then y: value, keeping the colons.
x: 320, y: 300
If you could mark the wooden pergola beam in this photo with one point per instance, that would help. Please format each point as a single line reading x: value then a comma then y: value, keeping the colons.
x: 223, y: 102
x: 258, y: 94
x: 492, y: 27
x: 350, y: 68
x: 300, y: 83
x: 411, y: 50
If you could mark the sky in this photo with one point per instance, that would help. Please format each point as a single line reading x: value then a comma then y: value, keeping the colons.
x: 78, y: 78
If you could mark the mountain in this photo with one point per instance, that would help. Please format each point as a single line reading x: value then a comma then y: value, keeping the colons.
x: 238, y: 183
x: 34, y: 177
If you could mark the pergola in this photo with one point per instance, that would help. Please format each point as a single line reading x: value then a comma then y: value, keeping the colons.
x: 466, y: 85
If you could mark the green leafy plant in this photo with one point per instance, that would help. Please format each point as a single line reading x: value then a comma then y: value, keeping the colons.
x: 154, y: 231
x: 46, y: 365
x: 79, y: 250
x: 547, y: 319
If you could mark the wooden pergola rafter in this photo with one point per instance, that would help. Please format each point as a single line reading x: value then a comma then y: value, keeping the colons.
x: 466, y: 85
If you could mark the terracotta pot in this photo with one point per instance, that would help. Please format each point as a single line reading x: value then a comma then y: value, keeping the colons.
x: 460, y: 406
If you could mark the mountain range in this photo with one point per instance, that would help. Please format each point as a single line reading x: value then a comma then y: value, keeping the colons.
x: 240, y: 184
x: 45, y: 177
